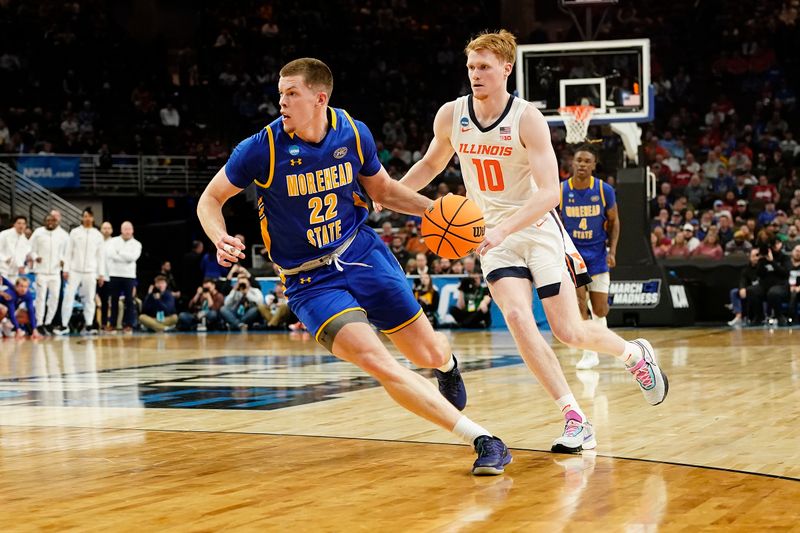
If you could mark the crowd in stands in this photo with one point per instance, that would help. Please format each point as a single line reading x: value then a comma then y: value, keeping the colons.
x: 96, y: 77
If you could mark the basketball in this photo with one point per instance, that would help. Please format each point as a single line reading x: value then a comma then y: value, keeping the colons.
x: 453, y: 227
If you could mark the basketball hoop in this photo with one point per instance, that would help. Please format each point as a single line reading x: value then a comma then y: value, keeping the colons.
x: 576, y: 119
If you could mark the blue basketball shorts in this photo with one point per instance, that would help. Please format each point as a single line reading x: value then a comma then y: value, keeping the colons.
x: 595, y: 257
x: 379, y: 289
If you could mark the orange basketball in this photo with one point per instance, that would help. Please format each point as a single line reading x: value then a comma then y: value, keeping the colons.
x: 453, y: 226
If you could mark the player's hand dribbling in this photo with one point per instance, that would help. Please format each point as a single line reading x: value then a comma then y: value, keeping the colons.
x: 229, y: 250
x: 611, y: 260
x: 494, y: 237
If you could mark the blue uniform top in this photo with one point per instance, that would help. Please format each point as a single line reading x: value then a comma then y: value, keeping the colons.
x: 309, y: 198
x: 15, y: 301
x: 584, y: 214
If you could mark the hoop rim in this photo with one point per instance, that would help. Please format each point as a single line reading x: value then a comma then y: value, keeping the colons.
x: 578, y: 112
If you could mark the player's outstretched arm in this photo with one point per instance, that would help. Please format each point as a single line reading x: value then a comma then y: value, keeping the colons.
x: 209, y: 211
x: 389, y: 193
x: 438, y: 154
x: 535, y: 136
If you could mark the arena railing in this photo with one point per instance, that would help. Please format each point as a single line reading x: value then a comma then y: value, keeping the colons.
x: 20, y: 195
x: 155, y: 175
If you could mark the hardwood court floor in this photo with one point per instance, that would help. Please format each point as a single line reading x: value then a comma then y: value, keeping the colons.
x: 267, y: 432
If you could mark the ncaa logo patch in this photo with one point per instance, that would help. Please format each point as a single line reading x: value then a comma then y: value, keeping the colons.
x: 340, y: 152
x: 595, y: 198
x: 294, y: 149
x: 464, y: 121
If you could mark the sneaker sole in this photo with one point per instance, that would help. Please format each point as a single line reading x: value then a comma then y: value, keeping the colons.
x: 491, y: 470
x: 586, y: 366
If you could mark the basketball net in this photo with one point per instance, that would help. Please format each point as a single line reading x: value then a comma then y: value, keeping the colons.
x: 576, y: 119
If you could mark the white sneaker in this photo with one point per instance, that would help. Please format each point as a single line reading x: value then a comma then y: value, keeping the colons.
x: 652, y: 380
x: 61, y: 331
x: 737, y: 321
x: 577, y: 436
x: 589, y: 360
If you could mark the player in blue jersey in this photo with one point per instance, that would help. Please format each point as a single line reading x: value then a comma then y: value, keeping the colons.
x: 589, y: 211
x: 309, y: 167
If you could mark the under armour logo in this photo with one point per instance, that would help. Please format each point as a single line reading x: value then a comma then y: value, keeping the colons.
x: 303, y: 281
x: 297, y: 161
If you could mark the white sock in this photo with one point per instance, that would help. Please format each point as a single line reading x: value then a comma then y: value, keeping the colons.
x: 600, y: 320
x: 631, y: 355
x: 449, y: 365
x: 568, y: 404
x: 468, y: 431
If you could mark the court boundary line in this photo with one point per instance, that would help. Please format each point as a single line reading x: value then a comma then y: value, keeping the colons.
x: 404, y: 441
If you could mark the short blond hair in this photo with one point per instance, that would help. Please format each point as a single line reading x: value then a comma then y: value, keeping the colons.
x: 503, y: 44
x: 315, y: 73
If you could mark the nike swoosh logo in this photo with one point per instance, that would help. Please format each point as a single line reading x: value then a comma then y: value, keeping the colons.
x: 465, y: 129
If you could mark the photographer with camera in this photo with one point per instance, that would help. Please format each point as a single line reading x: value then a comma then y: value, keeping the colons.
x: 204, y: 309
x: 428, y: 297
x: 787, y: 292
x: 241, y: 309
x: 158, y: 310
x: 772, y: 271
x: 473, y: 303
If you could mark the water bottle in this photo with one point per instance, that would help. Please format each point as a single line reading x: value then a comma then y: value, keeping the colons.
x: 160, y: 316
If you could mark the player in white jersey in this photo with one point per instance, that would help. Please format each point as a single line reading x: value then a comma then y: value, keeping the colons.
x: 14, y: 248
x: 84, y: 268
x: 510, y: 170
x: 48, y: 250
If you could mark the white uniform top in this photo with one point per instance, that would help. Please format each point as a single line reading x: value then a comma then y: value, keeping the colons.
x: 14, y: 248
x: 85, y: 252
x: 122, y: 257
x: 494, y: 164
x: 51, y: 246
x: 497, y: 175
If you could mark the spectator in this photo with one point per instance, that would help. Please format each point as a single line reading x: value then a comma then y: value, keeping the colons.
x: 747, y: 282
x: 84, y: 269
x: 741, y: 213
x: 387, y: 235
x: 724, y: 229
x: 772, y: 272
x: 445, y: 265
x: 48, y: 251
x: 422, y: 263
x: 12, y: 297
x: 706, y: 221
x: 158, y: 310
x: 123, y: 252
x: 399, y: 251
x: 209, y: 267
x: 411, y: 267
x: 709, y: 248
x: 170, y: 118
x: 739, y: 245
x: 764, y: 192
x: 692, y: 242
x: 204, y: 308
x: 472, y: 309
x: 104, y: 289
x: 241, y: 309
x: 695, y: 192
x: 767, y: 215
x: 276, y: 312
x: 428, y: 297
x: 414, y: 243
x: 679, y: 248
x: 786, y: 292
x: 14, y: 248
x: 166, y: 271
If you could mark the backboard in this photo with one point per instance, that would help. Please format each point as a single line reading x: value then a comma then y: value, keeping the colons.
x: 612, y: 76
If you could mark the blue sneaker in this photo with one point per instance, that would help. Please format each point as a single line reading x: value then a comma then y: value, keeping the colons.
x: 452, y: 386
x: 493, y: 456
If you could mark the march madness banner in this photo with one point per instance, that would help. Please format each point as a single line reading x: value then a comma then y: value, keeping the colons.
x: 51, y: 172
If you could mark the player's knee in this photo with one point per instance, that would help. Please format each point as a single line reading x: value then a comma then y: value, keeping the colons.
x: 601, y: 310
x: 517, y: 317
x: 569, y: 334
x: 379, y: 365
